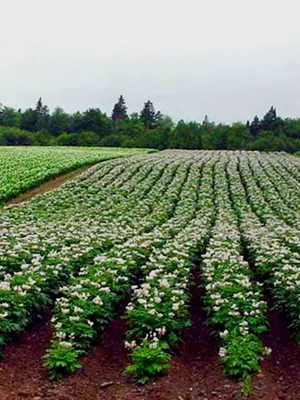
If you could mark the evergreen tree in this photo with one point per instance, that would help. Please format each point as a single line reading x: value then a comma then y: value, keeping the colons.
x: 255, y: 126
x: 40, y: 109
x: 120, y: 110
x: 42, y: 116
x: 270, y: 121
x: 148, y: 115
x: 205, y: 121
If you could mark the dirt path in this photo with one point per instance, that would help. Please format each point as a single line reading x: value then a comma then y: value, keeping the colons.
x: 48, y: 185
x: 280, y: 376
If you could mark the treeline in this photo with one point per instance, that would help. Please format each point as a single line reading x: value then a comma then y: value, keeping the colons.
x: 149, y: 128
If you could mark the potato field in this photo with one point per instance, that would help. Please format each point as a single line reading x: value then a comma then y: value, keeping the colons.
x: 23, y: 168
x: 170, y: 275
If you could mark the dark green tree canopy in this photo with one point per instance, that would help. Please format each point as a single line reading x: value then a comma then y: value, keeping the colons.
x: 37, y: 126
x: 60, y: 122
x: 255, y: 126
x: 41, y: 109
x: 148, y: 115
x: 9, y: 116
x: 270, y: 121
x: 120, y: 110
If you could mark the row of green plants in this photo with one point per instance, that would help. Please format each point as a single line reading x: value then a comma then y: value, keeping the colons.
x: 234, y: 302
x: 24, y: 168
x: 158, y: 310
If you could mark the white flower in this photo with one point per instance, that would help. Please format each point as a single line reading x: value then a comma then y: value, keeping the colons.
x: 61, y: 335
x: 74, y: 318
x: 222, y: 352
x: 268, y: 351
x: 66, y: 344
x: 130, y: 345
x: 224, y: 333
x: 161, y: 331
x: 97, y: 300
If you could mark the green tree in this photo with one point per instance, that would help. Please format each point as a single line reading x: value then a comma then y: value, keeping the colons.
x: 9, y: 116
x: 86, y: 138
x: 255, y: 126
x: 238, y: 136
x: 59, y: 122
x: 166, y: 125
x: 41, y: 109
x: 76, y: 122
x: 186, y: 135
x: 291, y: 127
x: 207, y: 134
x: 96, y: 121
x: 37, y: 119
x: 220, y: 135
x: 67, y: 139
x: 42, y: 116
x: 12, y: 136
x: 28, y: 120
x: 120, y: 110
x: 148, y: 115
x: 270, y: 121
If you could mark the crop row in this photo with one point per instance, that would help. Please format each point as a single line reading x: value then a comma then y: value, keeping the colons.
x: 23, y: 168
x: 234, y: 302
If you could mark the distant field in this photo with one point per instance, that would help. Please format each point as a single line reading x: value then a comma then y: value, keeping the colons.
x: 22, y: 168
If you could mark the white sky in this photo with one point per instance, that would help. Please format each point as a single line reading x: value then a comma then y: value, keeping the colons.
x: 230, y: 59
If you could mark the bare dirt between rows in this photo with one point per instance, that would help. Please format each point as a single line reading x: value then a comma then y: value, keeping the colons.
x: 50, y: 184
x: 196, y: 373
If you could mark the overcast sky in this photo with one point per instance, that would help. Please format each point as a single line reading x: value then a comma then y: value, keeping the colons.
x: 229, y: 59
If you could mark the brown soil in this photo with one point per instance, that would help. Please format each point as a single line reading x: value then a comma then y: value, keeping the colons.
x: 280, y: 376
x: 48, y: 185
x: 196, y: 372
